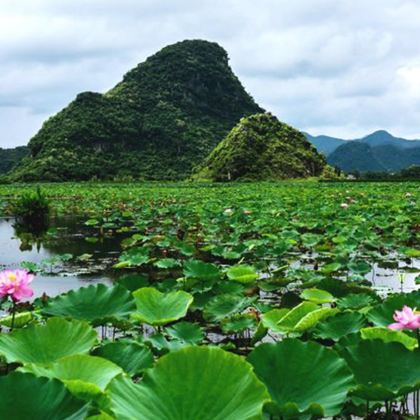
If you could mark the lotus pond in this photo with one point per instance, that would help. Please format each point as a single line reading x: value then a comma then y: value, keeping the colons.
x: 186, y: 301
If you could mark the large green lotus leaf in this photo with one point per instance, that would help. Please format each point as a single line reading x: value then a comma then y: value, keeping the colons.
x: 156, y: 308
x: 303, y: 317
x: 340, y: 325
x: 242, y: 273
x: 312, y: 318
x: 291, y: 318
x: 84, y: 375
x: 382, y: 315
x: 133, y: 282
x: 271, y: 318
x: 201, y: 270
x: 317, y: 296
x: 205, y: 383
x: 388, y: 336
x: 356, y: 301
x: 239, y: 323
x: 43, y: 344
x: 24, y: 396
x: 225, y: 305
x: 132, y: 357
x: 186, y: 331
x: 383, y: 371
x: 302, y: 378
x: 97, y: 304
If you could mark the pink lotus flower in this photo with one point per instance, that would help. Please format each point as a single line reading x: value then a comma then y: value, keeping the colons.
x: 407, y: 319
x: 15, y: 283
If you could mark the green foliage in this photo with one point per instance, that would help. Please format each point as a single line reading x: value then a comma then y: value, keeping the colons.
x: 10, y: 158
x: 131, y: 356
x: 156, y: 308
x: 260, y: 147
x: 203, y: 383
x: 164, y: 117
x: 85, y: 376
x: 24, y: 396
x: 31, y: 208
x: 362, y: 157
x: 47, y: 343
x: 230, y: 266
x: 382, y: 370
x: 97, y: 304
x: 297, y: 384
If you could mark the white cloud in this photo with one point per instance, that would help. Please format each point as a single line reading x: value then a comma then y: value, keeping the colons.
x: 326, y: 66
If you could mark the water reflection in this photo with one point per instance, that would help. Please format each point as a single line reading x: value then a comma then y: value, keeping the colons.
x: 61, y: 236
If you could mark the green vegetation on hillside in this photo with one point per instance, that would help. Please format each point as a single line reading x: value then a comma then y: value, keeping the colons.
x: 260, y: 147
x: 165, y: 116
x: 363, y: 157
x: 9, y: 158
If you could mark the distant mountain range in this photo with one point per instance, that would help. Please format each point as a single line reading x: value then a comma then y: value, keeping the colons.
x: 377, y: 152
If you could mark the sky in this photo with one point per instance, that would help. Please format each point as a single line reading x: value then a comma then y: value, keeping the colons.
x: 337, y: 67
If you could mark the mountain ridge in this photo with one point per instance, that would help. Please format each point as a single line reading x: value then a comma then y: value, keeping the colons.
x: 158, y: 122
x: 327, y: 144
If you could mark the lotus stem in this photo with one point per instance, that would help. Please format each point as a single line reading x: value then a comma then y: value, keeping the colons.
x: 13, y: 316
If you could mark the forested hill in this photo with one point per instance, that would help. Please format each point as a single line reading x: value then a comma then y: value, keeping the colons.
x: 260, y: 147
x: 162, y: 119
x: 377, y: 152
x: 9, y: 158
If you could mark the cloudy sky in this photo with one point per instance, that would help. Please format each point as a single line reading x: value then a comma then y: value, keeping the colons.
x: 336, y: 67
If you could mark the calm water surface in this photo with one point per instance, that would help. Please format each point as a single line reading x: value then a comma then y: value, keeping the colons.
x: 68, y: 236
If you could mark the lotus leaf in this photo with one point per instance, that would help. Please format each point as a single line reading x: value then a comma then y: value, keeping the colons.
x: 25, y: 396
x: 131, y: 356
x: 303, y: 317
x: 97, y: 304
x: 205, y: 383
x: 383, y: 371
x: 226, y: 305
x: 186, y: 332
x: 201, y: 270
x: 156, y: 308
x: 302, y: 378
x: 388, y: 336
x: 43, y: 344
x: 317, y: 296
x: 85, y: 376
x: 242, y: 274
x: 340, y: 325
